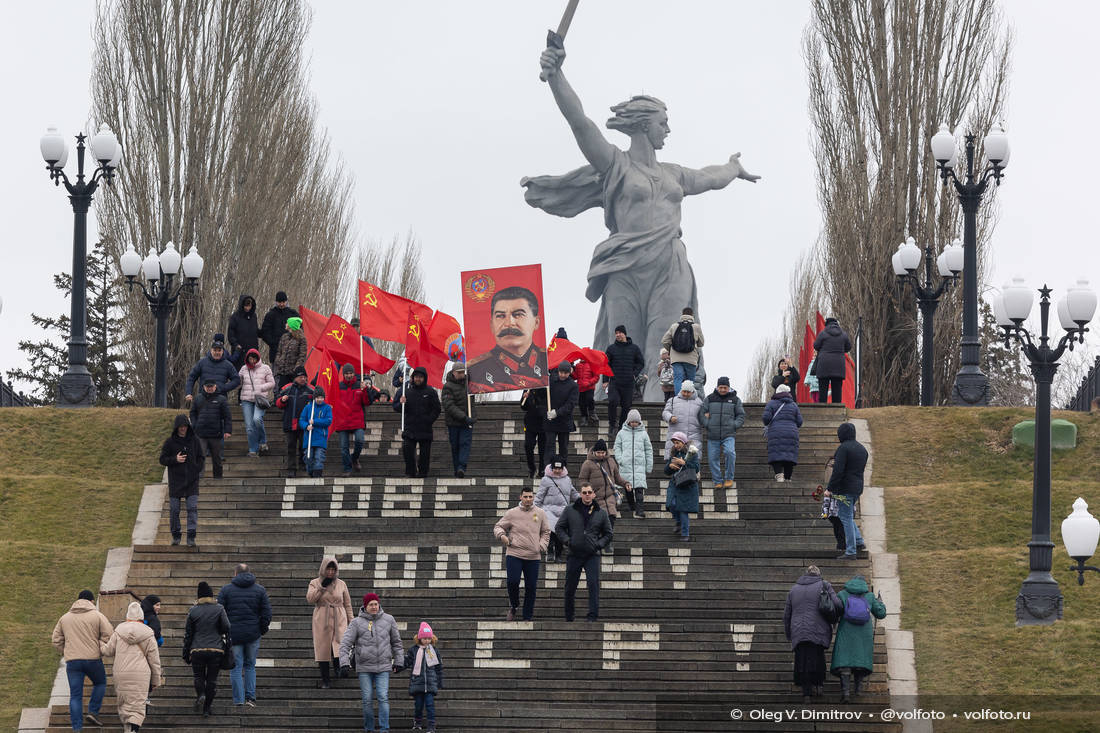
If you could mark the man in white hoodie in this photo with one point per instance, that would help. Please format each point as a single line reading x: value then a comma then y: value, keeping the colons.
x: 77, y: 636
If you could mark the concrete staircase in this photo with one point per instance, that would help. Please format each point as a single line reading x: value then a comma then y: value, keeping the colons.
x: 687, y: 631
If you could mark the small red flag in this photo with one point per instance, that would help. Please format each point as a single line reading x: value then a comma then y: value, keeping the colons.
x: 820, y: 322
x: 339, y: 339
x: 561, y: 350
x: 313, y: 323
x: 420, y: 353
x: 598, y: 361
x: 445, y: 335
x: 385, y: 315
x: 848, y: 388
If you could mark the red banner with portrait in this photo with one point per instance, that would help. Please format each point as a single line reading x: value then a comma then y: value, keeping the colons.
x: 504, y: 329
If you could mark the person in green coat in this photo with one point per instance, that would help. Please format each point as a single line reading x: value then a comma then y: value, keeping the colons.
x: 853, y: 650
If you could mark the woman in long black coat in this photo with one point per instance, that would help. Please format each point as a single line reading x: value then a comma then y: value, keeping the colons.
x: 244, y: 330
x: 831, y: 344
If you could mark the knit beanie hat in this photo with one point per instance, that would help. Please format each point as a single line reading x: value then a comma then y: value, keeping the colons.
x: 86, y: 595
x: 687, y: 385
x: 620, y: 329
x: 633, y: 416
x: 205, y: 591
x: 680, y: 436
x: 425, y: 631
x: 723, y: 381
x: 600, y: 444
x: 134, y: 612
x: 280, y: 297
x: 782, y: 389
x: 565, y: 367
x: 561, y: 333
x: 318, y: 391
x: 294, y: 323
x: 300, y: 372
x: 367, y: 598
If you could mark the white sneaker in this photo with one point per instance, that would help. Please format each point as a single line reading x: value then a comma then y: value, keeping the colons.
x: 779, y: 477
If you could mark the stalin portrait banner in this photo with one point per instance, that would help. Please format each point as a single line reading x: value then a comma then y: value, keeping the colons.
x: 504, y: 329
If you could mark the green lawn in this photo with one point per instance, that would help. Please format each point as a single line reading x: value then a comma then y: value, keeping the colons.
x: 70, y: 490
x: 958, y: 505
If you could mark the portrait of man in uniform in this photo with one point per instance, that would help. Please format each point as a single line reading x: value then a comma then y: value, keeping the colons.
x: 515, y: 361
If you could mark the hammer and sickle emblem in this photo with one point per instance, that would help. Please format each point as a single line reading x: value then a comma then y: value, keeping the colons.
x: 328, y: 373
x: 370, y: 300
x: 553, y: 345
x: 337, y: 334
x: 414, y: 329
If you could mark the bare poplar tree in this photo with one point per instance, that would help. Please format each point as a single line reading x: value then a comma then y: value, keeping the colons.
x: 223, y: 151
x: 883, y: 74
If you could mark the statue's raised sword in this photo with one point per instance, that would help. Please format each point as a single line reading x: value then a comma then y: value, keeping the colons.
x: 557, y: 39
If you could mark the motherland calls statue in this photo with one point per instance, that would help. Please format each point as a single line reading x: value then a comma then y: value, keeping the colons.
x: 641, y: 271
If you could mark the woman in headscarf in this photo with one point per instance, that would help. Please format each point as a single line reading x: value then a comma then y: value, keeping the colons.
x: 808, y: 630
x: 332, y: 612
x: 137, y: 666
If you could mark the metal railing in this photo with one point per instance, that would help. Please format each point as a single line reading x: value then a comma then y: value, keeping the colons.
x: 1089, y: 389
x: 10, y: 398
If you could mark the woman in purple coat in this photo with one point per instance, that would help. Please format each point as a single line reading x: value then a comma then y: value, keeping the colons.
x: 783, y: 419
x: 808, y: 631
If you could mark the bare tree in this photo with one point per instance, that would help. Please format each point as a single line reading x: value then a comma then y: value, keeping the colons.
x: 210, y: 99
x: 883, y: 74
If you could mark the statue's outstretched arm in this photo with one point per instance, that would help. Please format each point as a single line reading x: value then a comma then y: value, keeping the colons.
x: 593, y: 144
x: 714, y: 177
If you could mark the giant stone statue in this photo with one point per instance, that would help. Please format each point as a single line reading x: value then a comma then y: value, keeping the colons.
x: 641, y: 271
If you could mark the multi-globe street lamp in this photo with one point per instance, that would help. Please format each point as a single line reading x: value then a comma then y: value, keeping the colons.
x: 158, y: 272
x: 971, y: 385
x: 77, y: 388
x: 1039, y: 600
x: 906, y: 262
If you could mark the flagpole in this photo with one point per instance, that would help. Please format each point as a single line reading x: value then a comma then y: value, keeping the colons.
x: 361, y: 376
x: 404, y: 387
x: 309, y: 446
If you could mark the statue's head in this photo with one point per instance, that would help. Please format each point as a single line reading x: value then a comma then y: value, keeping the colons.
x: 642, y: 114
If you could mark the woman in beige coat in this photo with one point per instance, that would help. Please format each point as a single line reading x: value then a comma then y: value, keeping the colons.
x: 137, y: 663
x: 332, y: 613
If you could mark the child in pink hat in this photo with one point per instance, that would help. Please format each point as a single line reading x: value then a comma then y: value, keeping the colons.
x: 426, y: 676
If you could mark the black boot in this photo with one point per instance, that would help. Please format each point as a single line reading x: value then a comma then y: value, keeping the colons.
x: 846, y: 686
x: 857, y: 684
x: 326, y: 681
x: 639, y: 503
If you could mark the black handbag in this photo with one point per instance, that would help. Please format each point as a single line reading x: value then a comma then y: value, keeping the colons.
x: 685, y: 476
x: 826, y: 607
x: 227, y: 661
x: 261, y: 401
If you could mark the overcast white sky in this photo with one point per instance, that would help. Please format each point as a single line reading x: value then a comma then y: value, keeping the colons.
x: 437, y: 109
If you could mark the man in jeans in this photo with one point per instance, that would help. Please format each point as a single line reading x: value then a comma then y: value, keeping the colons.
x: 585, y: 529
x: 683, y: 350
x: 723, y: 415
x: 846, y: 484
x: 246, y: 603
x: 77, y: 636
x: 524, y: 531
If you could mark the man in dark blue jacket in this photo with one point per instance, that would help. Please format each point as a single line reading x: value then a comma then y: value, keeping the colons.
x: 212, y: 422
x: 249, y: 610
x: 626, y: 361
x: 723, y: 415
x: 292, y: 399
x: 214, y: 366
x: 846, y: 484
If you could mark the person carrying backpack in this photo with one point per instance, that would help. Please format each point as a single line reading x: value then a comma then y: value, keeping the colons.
x: 683, y: 340
x: 855, y: 635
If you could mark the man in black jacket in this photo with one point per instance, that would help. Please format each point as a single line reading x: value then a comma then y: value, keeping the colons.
x: 183, y: 456
x: 274, y: 325
x: 533, y: 404
x: 421, y: 408
x: 626, y: 361
x: 846, y: 484
x: 249, y: 610
x: 216, y: 366
x: 212, y: 421
x: 559, y: 418
x: 293, y: 398
x: 585, y: 529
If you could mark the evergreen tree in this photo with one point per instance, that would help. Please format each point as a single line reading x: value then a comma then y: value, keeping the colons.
x: 48, y: 359
x: 1010, y: 380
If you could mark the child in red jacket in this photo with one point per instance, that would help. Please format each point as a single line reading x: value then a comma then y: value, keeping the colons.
x: 586, y: 385
x: 348, y: 419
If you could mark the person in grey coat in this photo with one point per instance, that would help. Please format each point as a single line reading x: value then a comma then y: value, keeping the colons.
x: 831, y: 344
x: 556, y: 492
x: 808, y: 631
x: 683, y: 413
x: 207, y: 622
x: 783, y: 419
x: 374, y: 639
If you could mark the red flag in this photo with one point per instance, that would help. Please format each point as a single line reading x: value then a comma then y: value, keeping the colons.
x: 313, y: 323
x: 339, y: 339
x: 328, y: 376
x: 445, y: 336
x: 561, y: 350
x: 420, y: 353
x: 820, y: 322
x: 805, y: 356
x: 848, y: 389
x: 385, y: 315
x: 598, y: 361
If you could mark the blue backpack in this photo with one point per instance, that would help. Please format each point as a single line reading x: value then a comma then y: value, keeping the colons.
x: 857, y: 611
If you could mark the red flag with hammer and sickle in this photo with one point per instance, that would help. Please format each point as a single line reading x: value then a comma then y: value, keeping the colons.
x: 338, y: 340
x: 384, y: 315
x: 561, y: 350
x: 419, y: 351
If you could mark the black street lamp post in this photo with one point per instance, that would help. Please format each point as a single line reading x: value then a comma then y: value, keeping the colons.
x: 1040, y: 600
x: 77, y: 388
x: 906, y: 262
x: 971, y: 385
x: 159, y: 272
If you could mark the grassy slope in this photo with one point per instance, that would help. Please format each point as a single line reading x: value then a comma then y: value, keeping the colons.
x: 71, y: 484
x: 958, y: 503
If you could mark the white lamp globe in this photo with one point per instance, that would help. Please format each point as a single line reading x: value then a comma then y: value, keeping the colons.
x: 956, y: 256
x: 1064, y: 319
x: 104, y: 145
x: 170, y: 260
x: 1080, y: 531
x: 150, y: 266
x: 52, y: 146
x: 895, y: 261
x: 130, y: 262
x: 910, y: 254
x: 1081, y: 302
x: 995, y: 145
x: 943, y: 144
x: 192, y: 263
x: 999, y: 313
x: 1018, y: 299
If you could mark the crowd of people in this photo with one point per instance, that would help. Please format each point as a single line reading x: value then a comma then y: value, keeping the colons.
x: 556, y: 520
